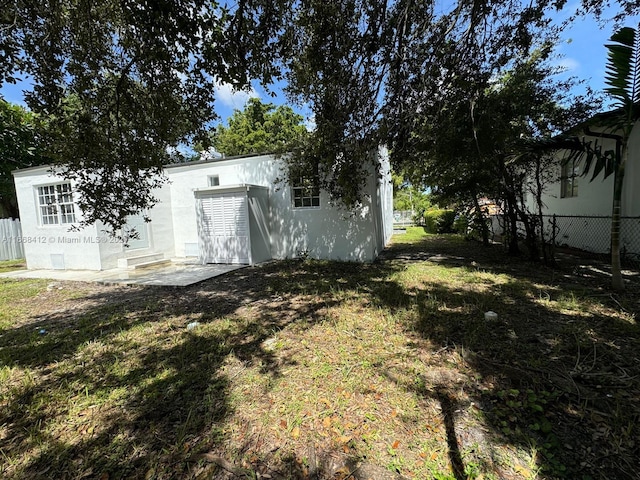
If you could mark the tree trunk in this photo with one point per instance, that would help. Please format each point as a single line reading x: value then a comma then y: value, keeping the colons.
x: 529, y: 222
x: 617, y: 282
x: 547, y: 254
x: 480, y: 218
x: 512, y: 218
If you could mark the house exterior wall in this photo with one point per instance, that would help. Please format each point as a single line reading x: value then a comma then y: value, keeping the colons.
x: 160, y: 232
x: 631, y: 199
x: 280, y: 230
x: 321, y: 232
x: 52, y: 246
x: 258, y: 203
x: 92, y: 248
x: 185, y: 179
x: 328, y: 232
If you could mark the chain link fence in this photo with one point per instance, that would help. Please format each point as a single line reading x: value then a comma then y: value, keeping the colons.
x: 403, y: 218
x: 589, y: 234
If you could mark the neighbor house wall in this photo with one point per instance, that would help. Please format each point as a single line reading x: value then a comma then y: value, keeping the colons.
x: 52, y: 246
x: 595, y: 197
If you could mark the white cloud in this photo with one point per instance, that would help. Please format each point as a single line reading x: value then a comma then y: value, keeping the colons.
x: 232, y: 98
x: 569, y: 65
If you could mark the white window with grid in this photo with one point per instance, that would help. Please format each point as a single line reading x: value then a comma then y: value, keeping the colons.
x: 55, y: 203
x: 306, y: 192
x: 569, y: 174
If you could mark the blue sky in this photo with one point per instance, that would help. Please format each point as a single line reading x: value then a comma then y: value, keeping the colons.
x: 582, y: 54
x: 582, y: 49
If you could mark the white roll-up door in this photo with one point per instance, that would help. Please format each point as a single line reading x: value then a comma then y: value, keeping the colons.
x: 224, y: 228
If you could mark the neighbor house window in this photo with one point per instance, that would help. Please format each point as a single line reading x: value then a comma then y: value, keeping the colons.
x: 306, y: 192
x: 56, y: 204
x: 214, y: 180
x: 569, y: 179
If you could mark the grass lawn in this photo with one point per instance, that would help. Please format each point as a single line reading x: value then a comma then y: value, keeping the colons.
x: 11, y: 265
x: 326, y: 370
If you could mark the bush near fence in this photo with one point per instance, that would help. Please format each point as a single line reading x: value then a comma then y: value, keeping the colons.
x: 588, y: 233
x: 11, y: 245
x: 434, y: 221
x: 439, y: 221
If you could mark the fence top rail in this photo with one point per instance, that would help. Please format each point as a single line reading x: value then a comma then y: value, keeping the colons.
x: 591, y: 216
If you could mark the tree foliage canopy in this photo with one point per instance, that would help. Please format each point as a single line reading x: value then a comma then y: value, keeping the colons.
x: 259, y: 128
x: 124, y: 82
x: 20, y: 147
x: 473, y: 140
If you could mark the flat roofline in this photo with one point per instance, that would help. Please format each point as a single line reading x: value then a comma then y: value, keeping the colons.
x: 242, y: 187
x: 167, y: 166
x: 220, y: 160
x: 19, y: 171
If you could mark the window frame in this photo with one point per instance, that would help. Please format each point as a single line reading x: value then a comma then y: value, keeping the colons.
x: 55, y: 204
x: 213, y: 180
x: 569, y: 173
x: 305, y: 192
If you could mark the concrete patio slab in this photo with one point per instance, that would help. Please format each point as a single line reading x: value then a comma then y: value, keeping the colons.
x: 176, y: 274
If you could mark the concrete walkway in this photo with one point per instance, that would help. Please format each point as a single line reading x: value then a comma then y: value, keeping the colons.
x: 176, y: 274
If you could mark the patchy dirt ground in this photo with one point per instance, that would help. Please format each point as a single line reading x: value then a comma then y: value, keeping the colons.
x: 327, y: 370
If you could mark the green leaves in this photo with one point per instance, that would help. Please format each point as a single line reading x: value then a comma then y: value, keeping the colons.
x: 623, y: 67
x: 259, y: 128
x: 124, y: 83
x: 20, y: 147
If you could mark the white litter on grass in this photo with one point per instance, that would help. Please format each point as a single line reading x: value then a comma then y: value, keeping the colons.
x: 490, y: 315
x: 192, y: 325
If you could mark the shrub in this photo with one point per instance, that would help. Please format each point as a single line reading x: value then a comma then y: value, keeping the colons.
x: 461, y: 224
x: 439, y: 221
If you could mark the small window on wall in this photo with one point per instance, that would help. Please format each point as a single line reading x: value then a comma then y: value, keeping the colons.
x: 214, y: 180
x: 55, y: 204
x: 569, y: 179
x: 306, y: 192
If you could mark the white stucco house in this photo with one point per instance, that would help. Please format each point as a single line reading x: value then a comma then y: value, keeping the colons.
x: 583, y: 207
x: 218, y: 211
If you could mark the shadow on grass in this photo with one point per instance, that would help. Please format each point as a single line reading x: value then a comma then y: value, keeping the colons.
x: 565, y: 383
x: 550, y: 381
x: 134, y: 407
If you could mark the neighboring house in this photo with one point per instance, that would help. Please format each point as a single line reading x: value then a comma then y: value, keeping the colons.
x: 219, y: 211
x: 583, y: 207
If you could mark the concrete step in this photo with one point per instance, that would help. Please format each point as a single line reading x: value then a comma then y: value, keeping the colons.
x: 153, y: 263
x: 131, y: 262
